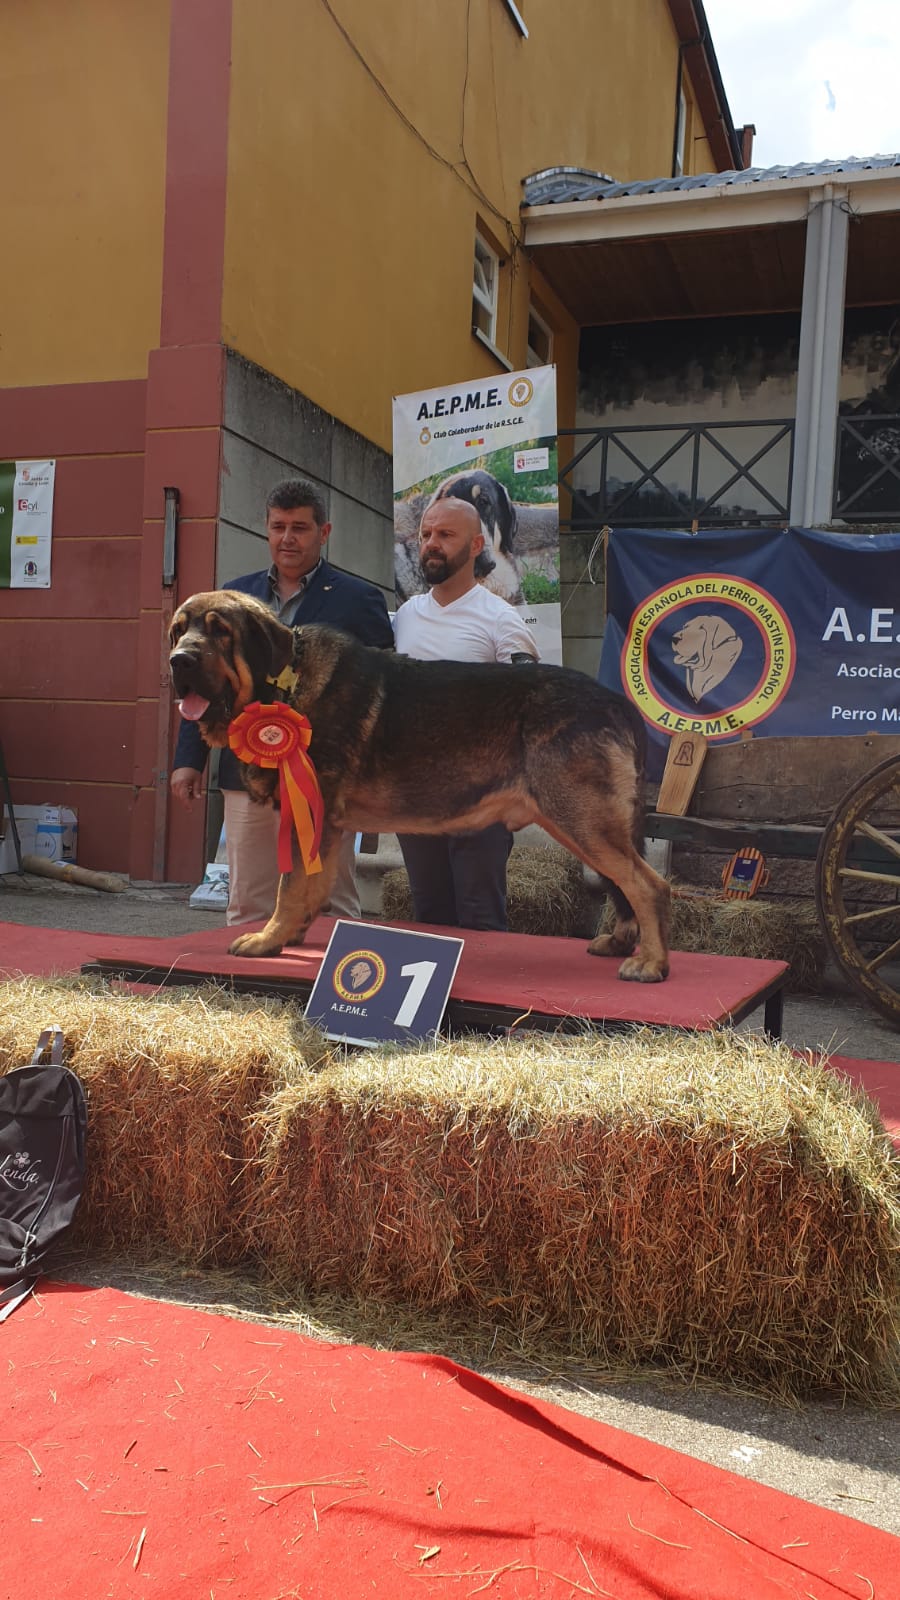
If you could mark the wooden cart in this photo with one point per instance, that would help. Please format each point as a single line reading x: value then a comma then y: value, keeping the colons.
x: 831, y: 801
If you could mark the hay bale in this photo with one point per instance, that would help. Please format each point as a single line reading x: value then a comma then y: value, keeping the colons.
x: 766, y: 930
x: 708, y: 1203
x: 170, y: 1084
x: 545, y: 894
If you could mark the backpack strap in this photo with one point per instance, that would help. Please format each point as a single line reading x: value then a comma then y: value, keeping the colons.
x: 54, y: 1037
x: 13, y: 1295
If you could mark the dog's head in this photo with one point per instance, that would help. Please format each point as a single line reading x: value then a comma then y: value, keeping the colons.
x: 708, y: 647
x: 496, y: 510
x: 224, y: 647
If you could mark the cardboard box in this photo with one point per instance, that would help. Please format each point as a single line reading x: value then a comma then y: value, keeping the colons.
x: 212, y: 893
x: 50, y: 831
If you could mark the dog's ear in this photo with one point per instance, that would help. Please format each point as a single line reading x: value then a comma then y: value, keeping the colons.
x: 720, y: 633
x: 706, y: 629
x: 510, y: 518
x: 268, y: 645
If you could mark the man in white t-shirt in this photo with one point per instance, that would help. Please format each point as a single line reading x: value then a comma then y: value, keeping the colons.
x: 458, y: 880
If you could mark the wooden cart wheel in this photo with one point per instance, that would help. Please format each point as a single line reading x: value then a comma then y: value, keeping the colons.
x: 858, y: 886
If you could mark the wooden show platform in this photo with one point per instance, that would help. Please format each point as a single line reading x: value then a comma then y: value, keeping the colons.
x: 501, y: 978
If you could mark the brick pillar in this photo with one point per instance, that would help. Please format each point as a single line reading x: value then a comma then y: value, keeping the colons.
x: 185, y: 399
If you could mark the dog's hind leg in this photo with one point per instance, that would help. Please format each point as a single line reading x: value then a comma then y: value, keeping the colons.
x: 639, y: 893
x: 647, y: 899
x: 624, y: 936
x: 301, y: 897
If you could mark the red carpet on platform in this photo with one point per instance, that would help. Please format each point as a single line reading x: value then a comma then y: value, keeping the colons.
x: 519, y: 972
x: 150, y: 1449
x: 881, y: 1081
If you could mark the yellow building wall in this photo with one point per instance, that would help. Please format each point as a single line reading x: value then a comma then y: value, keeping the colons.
x: 83, y: 102
x: 367, y: 138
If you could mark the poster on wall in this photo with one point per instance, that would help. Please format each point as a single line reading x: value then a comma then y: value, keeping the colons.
x: 784, y: 631
x: 26, y: 523
x: 491, y: 442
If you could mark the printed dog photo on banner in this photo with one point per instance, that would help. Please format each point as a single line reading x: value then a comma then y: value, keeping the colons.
x: 485, y: 456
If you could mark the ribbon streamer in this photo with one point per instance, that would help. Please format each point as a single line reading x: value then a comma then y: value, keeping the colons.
x: 277, y: 736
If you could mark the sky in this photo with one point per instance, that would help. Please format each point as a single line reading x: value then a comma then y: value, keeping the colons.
x: 819, y: 78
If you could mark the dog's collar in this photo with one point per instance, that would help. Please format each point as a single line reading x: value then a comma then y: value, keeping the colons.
x: 282, y: 687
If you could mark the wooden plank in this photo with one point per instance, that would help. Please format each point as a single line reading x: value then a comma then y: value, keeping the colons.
x: 683, y: 764
x: 778, y: 839
x: 792, y: 780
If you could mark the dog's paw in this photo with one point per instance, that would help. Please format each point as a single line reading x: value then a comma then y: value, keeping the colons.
x: 638, y: 970
x: 254, y: 944
x: 606, y: 944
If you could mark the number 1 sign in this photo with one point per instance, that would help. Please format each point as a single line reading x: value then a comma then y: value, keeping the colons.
x: 380, y: 985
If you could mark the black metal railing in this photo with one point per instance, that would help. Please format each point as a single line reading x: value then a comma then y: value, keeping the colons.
x: 867, y: 477
x: 648, y: 500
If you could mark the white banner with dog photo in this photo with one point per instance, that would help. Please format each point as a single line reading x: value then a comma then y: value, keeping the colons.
x: 491, y: 442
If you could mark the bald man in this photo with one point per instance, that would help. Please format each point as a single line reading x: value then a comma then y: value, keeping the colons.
x: 458, y: 880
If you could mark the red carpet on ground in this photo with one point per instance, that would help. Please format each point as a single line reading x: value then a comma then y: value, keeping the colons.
x: 47, y: 952
x: 152, y: 1449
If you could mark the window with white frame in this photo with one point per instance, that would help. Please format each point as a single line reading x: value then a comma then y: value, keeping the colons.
x: 680, y: 133
x: 540, y: 340
x: 485, y: 283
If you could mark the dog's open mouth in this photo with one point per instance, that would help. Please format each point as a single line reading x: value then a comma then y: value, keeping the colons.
x: 193, y: 706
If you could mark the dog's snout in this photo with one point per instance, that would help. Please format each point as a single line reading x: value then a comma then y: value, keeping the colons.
x: 183, y: 667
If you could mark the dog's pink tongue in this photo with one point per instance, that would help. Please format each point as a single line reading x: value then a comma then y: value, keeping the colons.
x: 193, y: 706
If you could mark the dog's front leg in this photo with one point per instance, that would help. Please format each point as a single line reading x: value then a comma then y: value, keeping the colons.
x: 301, y: 897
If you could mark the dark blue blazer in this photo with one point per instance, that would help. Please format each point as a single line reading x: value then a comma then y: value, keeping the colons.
x: 333, y: 597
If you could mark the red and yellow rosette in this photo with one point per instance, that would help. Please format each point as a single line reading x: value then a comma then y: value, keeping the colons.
x: 277, y: 736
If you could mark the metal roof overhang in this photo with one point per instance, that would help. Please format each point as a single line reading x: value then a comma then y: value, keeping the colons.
x: 731, y: 249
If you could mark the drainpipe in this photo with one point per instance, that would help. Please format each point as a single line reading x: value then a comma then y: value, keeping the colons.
x: 164, y: 713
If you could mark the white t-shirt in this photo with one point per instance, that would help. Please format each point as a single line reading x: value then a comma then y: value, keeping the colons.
x: 477, y: 627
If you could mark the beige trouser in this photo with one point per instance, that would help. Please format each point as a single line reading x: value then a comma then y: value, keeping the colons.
x: 251, y: 846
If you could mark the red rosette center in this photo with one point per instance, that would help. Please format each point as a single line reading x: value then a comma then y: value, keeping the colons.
x: 267, y: 735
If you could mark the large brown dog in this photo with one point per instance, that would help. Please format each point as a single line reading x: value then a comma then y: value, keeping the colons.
x: 432, y: 747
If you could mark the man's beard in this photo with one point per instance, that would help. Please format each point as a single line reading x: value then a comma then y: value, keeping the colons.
x: 437, y: 568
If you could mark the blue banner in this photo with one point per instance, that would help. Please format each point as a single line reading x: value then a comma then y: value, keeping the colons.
x: 785, y: 631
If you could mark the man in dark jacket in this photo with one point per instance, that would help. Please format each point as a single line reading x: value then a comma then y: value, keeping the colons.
x: 301, y: 587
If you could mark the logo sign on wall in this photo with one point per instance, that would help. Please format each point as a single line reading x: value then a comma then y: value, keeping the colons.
x: 379, y: 985
x: 491, y: 442
x: 26, y: 523
x: 788, y: 631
